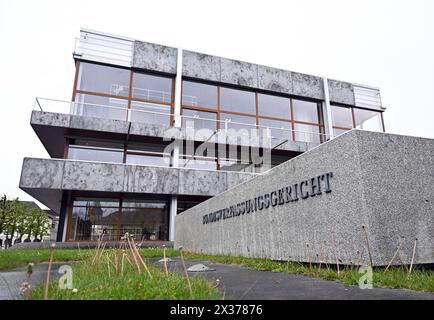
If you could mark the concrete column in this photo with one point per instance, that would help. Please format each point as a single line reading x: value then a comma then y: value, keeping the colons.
x: 63, y: 219
x: 177, y: 106
x: 173, y: 209
x: 327, y: 111
x: 178, y: 89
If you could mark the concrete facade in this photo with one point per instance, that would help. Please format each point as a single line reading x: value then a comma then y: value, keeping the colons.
x: 44, y: 178
x: 381, y: 183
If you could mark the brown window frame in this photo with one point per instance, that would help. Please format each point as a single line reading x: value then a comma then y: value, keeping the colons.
x: 218, y: 111
x: 353, y: 117
x: 120, y: 207
x: 128, y: 98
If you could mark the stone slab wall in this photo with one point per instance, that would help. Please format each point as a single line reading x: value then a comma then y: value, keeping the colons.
x: 381, y: 184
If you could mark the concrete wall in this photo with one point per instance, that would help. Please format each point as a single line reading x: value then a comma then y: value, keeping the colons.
x: 160, y: 58
x: 380, y: 181
x: 44, y: 179
x: 154, y: 57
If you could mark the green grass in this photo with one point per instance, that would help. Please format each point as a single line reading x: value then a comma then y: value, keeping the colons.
x: 396, y: 277
x: 10, y: 259
x: 94, y: 281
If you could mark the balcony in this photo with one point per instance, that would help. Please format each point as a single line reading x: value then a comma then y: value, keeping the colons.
x: 45, y: 179
x: 53, y: 119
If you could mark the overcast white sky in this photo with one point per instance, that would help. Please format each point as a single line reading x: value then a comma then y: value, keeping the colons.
x: 383, y: 43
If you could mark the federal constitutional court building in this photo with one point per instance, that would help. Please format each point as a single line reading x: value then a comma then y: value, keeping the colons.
x: 222, y: 156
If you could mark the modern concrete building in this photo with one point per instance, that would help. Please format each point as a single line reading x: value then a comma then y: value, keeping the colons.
x: 121, y: 149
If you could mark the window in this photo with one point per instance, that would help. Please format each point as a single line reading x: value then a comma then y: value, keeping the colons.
x: 368, y: 120
x: 274, y: 106
x: 147, y: 154
x: 100, y: 107
x: 103, y: 79
x: 279, y: 130
x: 237, y: 101
x: 158, y: 114
x: 94, y: 151
x: 146, y: 219
x: 152, y: 88
x: 106, y: 219
x: 199, y: 95
x: 307, y: 133
x: 238, y: 122
x: 338, y: 132
x: 94, y: 219
x: 342, y: 117
x: 199, y: 119
x: 306, y: 111
x: 241, y: 109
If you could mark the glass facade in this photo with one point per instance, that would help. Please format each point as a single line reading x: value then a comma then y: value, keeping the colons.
x: 93, y: 219
x: 368, y: 120
x: 345, y: 118
x: 199, y: 95
x: 109, y: 219
x: 103, y: 79
x: 114, y: 93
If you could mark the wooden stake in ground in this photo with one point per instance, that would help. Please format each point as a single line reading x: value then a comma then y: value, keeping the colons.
x: 335, y: 252
x: 394, y: 255
x: 185, y: 272
x: 412, y: 257
x: 165, y: 262
x: 367, y: 244
x: 47, y: 280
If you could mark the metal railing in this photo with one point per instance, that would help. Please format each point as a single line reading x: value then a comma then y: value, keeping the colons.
x: 278, y: 134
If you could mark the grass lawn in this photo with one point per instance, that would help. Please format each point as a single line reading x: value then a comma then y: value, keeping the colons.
x: 101, y: 280
x: 96, y: 284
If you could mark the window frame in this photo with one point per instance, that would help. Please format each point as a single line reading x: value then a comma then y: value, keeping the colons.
x: 257, y: 115
x: 128, y: 98
x: 120, y: 199
x: 353, y: 117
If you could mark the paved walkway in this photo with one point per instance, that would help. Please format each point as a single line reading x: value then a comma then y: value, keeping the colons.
x: 11, y: 280
x: 243, y: 284
x: 236, y: 283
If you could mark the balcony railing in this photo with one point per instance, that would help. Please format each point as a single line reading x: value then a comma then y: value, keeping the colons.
x: 278, y: 135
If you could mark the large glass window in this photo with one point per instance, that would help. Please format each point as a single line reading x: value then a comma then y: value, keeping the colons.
x: 307, y: 133
x: 152, y: 88
x: 342, y: 117
x: 306, y: 111
x: 237, y: 122
x: 279, y: 130
x: 146, y: 220
x: 237, y: 101
x: 199, y: 119
x: 94, y: 151
x: 274, y: 106
x: 100, y: 107
x: 94, y: 219
x: 103, y: 79
x: 146, y: 154
x: 199, y: 95
x: 158, y: 114
x: 368, y: 120
x: 106, y: 219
